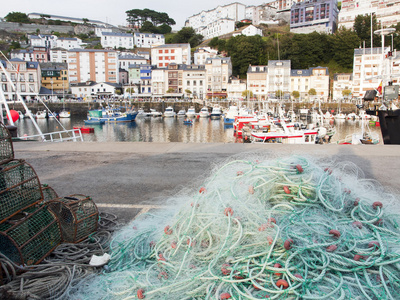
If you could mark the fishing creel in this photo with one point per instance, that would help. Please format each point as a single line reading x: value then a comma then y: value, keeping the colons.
x: 29, y: 236
x: 19, y: 188
x: 48, y: 193
x: 6, y: 146
x: 78, y: 216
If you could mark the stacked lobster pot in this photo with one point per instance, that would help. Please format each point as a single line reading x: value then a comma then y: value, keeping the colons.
x: 33, y: 219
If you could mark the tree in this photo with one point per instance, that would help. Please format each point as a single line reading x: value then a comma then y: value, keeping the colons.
x: 278, y: 94
x: 136, y: 17
x: 170, y: 90
x: 362, y: 27
x: 312, y: 92
x: 147, y: 26
x: 85, y: 21
x: 187, y: 35
x: 346, y: 93
x: 44, y: 17
x: 247, y: 94
x: 17, y: 17
x: 343, y: 43
x: 296, y: 94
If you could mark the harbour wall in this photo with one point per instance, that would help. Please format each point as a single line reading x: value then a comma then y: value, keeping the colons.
x: 81, y: 108
x: 129, y: 178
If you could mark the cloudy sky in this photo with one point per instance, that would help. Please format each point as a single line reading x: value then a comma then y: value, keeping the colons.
x: 113, y: 11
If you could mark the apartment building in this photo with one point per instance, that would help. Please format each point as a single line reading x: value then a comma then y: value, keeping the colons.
x: 115, y: 40
x: 218, y: 72
x: 163, y: 55
x: 38, y: 54
x: 92, y: 65
x: 236, y: 87
x: 341, y: 82
x: 55, y: 77
x: 300, y: 81
x: 257, y: 81
x: 124, y: 61
x: 25, y: 76
x: 58, y: 55
x: 145, y: 80
x: 94, y: 90
x: 194, y: 80
x: 312, y: 78
x: 69, y: 43
x: 174, y: 82
x: 43, y: 40
x: 265, y: 13
x: 147, y: 40
x: 386, y: 12
x: 201, y: 54
x: 318, y: 15
x: 208, y: 22
x: 278, y: 77
x: 159, y: 81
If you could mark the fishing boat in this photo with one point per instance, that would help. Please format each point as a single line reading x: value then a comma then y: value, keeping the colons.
x: 169, y: 112
x: 154, y: 113
x: 188, y: 122
x: 230, y: 115
x: 95, y: 122
x: 191, y: 113
x: 181, y: 113
x: 84, y: 129
x: 216, y: 113
x: 204, y: 113
x: 111, y: 115
x: 65, y: 114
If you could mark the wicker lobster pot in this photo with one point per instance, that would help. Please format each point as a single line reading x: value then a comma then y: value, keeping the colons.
x: 78, y: 216
x: 6, y: 146
x: 19, y: 188
x: 30, y: 235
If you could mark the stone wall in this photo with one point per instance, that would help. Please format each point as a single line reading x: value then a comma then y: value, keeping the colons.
x: 31, y: 28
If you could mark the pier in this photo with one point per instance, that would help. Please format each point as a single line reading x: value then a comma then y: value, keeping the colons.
x: 127, y: 178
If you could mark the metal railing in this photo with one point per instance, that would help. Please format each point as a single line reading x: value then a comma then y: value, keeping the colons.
x: 74, y: 135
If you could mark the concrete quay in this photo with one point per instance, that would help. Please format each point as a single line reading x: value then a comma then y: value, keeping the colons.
x: 128, y: 178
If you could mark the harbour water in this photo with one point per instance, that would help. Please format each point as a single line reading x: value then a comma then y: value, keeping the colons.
x: 203, y: 130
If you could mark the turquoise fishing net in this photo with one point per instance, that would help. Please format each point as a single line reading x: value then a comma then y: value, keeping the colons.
x: 278, y: 228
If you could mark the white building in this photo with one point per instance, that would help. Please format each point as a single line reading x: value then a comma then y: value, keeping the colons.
x: 89, y: 90
x: 249, y: 30
x: 98, y: 30
x: 163, y: 55
x: 68, y: 43
x: 201, y: 54
x: 262, y: 14
x: 58, y: 55
x: 386, y: 12
x: 92, y: 65
x: 319, y: 81
x: 236, y: 87
x: 147, y: 40
x: 125, y: 60
x: 218, y: 72
x: 234, y: 12
x: 278, y: 77
x: 300, y: 81
x: 257, y: 81
x: 159, y: 80
x: 45, y: 40
x: 111, y: 40
x: 194, y: 80
x: 341, y: 82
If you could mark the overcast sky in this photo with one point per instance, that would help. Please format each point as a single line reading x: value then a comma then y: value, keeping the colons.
x: 113, y: 11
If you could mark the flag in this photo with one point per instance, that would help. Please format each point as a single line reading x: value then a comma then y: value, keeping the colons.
x: 379, y: 89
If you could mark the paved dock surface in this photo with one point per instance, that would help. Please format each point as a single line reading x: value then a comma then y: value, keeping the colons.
x: 128, y: 178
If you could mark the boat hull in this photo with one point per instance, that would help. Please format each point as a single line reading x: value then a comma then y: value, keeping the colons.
x: 125, y: 117
x: 389, y: 121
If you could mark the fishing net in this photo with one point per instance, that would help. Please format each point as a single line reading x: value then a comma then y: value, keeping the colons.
x: 48, y: 193
x: 29, y: 236
x: 19, y: 188
x: 284, y: 228
x: 6, y: 147
x: 78, y: 216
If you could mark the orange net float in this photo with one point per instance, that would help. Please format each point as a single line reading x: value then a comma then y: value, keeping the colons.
x: 378, y: 222
x: 251, y: 189
x: 335, y: 233
x: 140, y: 294
x: 282, y: 283
x: 191, y: 243
x: 288, y: 244
x: 331, y: 248
x: 167, y: 230
x: 299, y: 169
x: 286, y: 189
x: 297, y: 275
x: 374, y: 244
x: 173, y: 245
x: 357, y: 224
x: 228, y: 211
x: 239, y: 173
x: 271, y: 220
x: 358, y: 257
x: 270, y: 240
x: 163, y: 275
x: 262, y: 227
x: 278, y: 265
x: 224, y: 269
x: 161, y: 257
x: 225, y: 296
x: 377, y: 204
x: 202, y: 190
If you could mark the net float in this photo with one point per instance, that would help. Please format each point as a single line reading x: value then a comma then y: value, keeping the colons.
x: 173, y: 245
x: 202, y: 190
x: 167, y: 230
x: 376, y: 204
x: 228, y: 211
x: 282, y: 283
x: 299, y: 168
x: 224, y: 269
x: 238, y: 277
x: 379, y: 222
x: 239, y: 173
x: 225, y: 296
x: 262, y: 227
x: 286, y: 189
x: 357, y: 224
x: 140, y: 293
x: 356, y: 201
x: 192, y: 204
x: 357, y: 257
x: 373, y: 244
x: 278, y: 265
x: 335, y: 232
x: 163, y: 274
x: 251, y: 189
x: 331, y: 248
x: 328, y: 170
x: 191, y: 243
x: 288, y: 244
x: 298, y: 276
x: 161, y: 257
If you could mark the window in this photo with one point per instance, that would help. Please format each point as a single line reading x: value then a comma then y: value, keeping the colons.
x: 31, y: 77
x: 172, y: 50
x: 4, y: 87
x: 159, y: 51
x: 166, y: 51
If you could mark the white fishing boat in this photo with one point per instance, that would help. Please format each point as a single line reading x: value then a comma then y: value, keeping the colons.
x: 169, y: 112
x: 191, y: 113
x: 154, y: 113
x: 216, y: 113
x: 204, y: 113
x: 64, y: 114
x: 181, y: 113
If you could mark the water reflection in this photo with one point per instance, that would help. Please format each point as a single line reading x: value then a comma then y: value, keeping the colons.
x: 203, y: 130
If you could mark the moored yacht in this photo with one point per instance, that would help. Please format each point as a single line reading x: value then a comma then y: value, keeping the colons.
x: 216, y: 113
x: 204, y: 113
